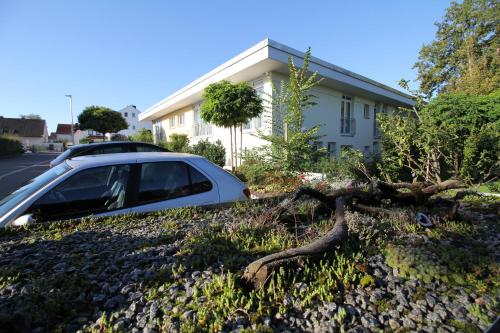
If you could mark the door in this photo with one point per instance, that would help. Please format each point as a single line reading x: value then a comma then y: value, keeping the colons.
x: 100, y: 190
x: 172, y: 184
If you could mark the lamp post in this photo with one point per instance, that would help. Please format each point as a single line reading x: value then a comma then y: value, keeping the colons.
x: 71, y: 111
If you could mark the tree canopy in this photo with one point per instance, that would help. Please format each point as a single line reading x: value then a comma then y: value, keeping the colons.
x: 229, y: 104
x: 464, y: 55
x: 101, y: 119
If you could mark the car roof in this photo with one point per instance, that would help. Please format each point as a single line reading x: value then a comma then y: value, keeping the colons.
x: 89, y: 145
x: 123, y: 158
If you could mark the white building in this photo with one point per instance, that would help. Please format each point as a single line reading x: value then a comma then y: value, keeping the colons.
x: 347, y: 103
x: 131, y: 115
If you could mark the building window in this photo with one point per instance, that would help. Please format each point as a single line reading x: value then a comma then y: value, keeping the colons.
x: 126, y: 114
x: 253, y: 123
x: 133, y: 115
x: 367, y: 111
x: 332, y: 149
x: 133, y: 127
x: 376, y: 147
x: 172, y: 122
x: 180, y: 119
x: 346, y: 119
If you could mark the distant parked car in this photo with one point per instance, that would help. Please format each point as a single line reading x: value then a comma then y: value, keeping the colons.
x: 120, y: 183
x: 111, y: 147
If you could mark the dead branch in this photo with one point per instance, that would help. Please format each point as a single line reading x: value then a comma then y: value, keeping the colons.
x: 257, y: 273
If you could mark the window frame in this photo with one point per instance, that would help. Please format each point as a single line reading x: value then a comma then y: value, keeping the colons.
x: 136, y: 183
x: 366, y: 111
x: 126, y: 202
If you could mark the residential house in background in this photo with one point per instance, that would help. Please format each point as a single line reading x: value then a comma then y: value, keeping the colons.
x: 347, y: 103
x: 30, y: 131
x: 63, y: 134
x: 131, y: 115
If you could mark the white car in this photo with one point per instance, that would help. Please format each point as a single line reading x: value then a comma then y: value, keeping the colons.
x: 112, y: 184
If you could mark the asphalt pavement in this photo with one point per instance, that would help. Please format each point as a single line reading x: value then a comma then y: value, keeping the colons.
x: 16, y: 171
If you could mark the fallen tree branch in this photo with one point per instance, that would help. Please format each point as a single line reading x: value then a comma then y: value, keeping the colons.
x: 257, y: 273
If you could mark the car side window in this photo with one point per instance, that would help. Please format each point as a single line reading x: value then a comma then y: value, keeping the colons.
x: 108, y: 149
x: 90, y: 191
x: 148, y: 148
x: 168, y: 180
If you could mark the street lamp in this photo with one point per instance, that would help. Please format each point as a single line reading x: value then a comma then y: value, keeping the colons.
x: 71, y: 111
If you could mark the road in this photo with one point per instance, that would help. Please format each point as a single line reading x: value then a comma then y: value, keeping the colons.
x: 15, y: 171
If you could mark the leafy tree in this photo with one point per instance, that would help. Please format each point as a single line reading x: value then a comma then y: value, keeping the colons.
x: 102, y: 120
x: 214, y: 152
x: 30, y: 116
x: 455, y: 135
x: 464, y: 55
x: 230, y: 105
x: 143, y: 135
x: 291, y: 143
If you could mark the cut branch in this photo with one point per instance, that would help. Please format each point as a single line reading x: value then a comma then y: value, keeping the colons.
x: 259, y: 271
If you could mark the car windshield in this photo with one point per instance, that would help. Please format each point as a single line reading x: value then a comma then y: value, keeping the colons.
x: 33, y: 185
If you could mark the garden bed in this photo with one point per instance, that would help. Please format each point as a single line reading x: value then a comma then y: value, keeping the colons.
x: 179, y: 271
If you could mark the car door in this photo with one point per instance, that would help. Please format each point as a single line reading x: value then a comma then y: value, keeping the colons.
x: 172, y: 184
x: 96, y: 191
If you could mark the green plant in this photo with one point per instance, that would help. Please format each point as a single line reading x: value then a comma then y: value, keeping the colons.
x: 143, y: 135
x: 367, y: 281
x: 10, y: 145
x: 292, y: 146
x: 214, y: 152
x: 176, y: 143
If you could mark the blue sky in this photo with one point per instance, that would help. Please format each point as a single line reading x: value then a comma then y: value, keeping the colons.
x: 116, y: 53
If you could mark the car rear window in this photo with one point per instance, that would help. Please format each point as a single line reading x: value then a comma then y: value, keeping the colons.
x: 168, y: 180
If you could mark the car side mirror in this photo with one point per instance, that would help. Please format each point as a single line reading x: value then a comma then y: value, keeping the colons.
x: 25, y: 219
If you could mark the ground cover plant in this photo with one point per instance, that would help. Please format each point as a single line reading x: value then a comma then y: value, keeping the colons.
x: 180, y: 270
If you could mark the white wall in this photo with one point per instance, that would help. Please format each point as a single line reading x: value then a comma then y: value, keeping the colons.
x: 131, y: 115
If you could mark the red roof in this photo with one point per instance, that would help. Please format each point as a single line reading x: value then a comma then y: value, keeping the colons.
x: 63, y: 129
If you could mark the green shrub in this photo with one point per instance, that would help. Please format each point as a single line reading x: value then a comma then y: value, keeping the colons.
x: 214, y: 152
x: 10, y: 145
x: 143, y: 135
x: 177, y: 143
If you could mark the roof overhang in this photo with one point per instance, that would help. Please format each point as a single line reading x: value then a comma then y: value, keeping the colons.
x: 270, y: 56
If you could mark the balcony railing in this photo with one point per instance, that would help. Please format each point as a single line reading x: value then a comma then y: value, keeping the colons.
x: 202, y: 129
x: 348, y: 126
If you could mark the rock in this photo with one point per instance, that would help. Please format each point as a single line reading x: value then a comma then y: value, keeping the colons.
x: 431, y: 301
x: 153, y: 310
x: 408, y: 323
x: 188, y: 315
x: 369, y: 320
x: 394, y: 324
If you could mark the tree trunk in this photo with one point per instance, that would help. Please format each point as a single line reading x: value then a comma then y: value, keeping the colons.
x: 235, y: 147
x: 231, y: 139
x: 257, y: 273
x: 241, y: 142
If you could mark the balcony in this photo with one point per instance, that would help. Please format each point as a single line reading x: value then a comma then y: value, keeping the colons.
x: 202, y: 129
x: 376, y: 131
x: 347, y: 126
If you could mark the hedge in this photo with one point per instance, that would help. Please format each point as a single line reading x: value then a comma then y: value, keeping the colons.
x: 10, y: 145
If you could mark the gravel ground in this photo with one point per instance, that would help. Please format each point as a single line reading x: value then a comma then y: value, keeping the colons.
x: 66, y: 276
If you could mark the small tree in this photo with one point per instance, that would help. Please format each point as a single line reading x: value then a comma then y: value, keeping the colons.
x: 230, y: 105
x: 291, y: 143
x: 102, y: 120
x: 143, y: 135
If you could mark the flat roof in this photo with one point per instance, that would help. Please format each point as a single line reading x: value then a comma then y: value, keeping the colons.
x: 268, y: 56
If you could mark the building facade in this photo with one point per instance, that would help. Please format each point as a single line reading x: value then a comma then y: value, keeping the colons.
x: 346, y: 107
x: 131, y: 115
x: 29, y: 131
